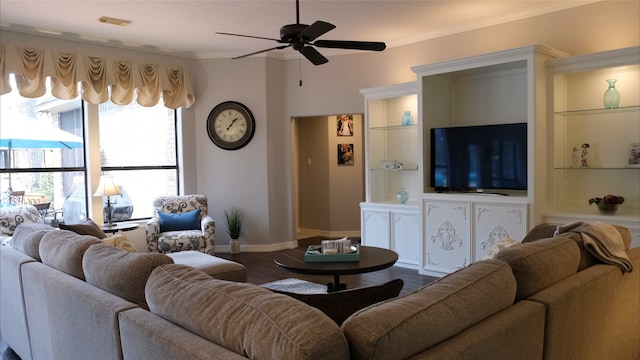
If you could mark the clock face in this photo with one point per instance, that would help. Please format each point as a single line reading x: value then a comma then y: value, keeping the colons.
x: 230, y: 125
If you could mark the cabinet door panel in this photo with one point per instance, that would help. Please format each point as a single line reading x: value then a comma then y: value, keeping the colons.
x: 406, y: 238
x: 376, y: 230
x: 494, y: 222
x: 447, y: 247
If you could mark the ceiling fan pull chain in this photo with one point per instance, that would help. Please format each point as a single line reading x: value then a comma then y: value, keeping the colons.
x: 300, y: 63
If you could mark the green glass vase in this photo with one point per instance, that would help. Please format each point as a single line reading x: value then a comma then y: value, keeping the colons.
x: 611, y: 96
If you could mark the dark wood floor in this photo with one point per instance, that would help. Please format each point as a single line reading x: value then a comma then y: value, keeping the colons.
x: 261, y: 269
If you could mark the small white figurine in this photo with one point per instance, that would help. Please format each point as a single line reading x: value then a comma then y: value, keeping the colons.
x: 585, y: 155
x: 575, y: 160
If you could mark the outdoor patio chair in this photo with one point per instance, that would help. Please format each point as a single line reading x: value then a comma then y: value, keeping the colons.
x: 16, y: 198
x: 43, y: 209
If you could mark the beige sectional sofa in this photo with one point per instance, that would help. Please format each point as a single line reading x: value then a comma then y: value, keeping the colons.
x: 69, y: 296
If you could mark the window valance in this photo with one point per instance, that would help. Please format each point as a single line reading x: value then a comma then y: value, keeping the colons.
x: 96, y: 75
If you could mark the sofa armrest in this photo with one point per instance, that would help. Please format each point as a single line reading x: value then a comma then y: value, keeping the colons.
x: 598, y: 305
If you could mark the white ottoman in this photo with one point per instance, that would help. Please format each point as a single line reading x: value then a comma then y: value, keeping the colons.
x: 215, y: 267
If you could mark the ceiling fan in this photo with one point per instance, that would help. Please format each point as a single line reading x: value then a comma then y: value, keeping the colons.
x: 302, y: 38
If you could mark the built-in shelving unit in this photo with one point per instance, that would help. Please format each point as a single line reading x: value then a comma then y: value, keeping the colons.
x: 385, y: 222
x: 560, y: 99
x: 577, y: 116
x: 499, y: 88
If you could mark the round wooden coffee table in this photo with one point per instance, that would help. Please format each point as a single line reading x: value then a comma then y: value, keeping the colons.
x: 371, y: 259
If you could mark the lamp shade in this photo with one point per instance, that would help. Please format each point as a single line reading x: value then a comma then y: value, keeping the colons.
x: 107, y: 187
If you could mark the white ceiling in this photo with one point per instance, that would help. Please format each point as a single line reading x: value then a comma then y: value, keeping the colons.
x: 188, y: 28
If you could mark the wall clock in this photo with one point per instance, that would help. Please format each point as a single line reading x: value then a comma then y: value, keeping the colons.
x: 230, y: 125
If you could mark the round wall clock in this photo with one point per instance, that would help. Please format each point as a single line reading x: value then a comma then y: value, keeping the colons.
x: 230, y: 125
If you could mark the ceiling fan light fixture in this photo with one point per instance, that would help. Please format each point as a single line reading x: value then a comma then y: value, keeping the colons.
x: 114, y: 21
x: 301, y: 38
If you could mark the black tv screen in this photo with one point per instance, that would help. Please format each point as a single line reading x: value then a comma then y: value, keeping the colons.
x: 475, y: 158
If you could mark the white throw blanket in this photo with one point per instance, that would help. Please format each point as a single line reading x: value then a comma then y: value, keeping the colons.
x: 602, y: 240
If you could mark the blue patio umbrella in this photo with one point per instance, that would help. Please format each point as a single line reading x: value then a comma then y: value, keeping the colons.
x: 21, y: 132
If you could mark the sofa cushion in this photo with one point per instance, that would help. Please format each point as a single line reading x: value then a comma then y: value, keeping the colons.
x: 499, y: 246
x: 120, y: 241
x: 245, y: 318
x: 63, y: 250
x: 540, y: 231
x: 121, y: 272
x: 540, y: 263
x: 88, y: 227
x: 26, y: 238
x: 402, y: 327
x: 189, y: 220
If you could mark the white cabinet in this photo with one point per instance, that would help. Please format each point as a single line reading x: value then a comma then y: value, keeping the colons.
x: 447, y: 236
x: 405, y: 237
x: 395, y: 227
x: 460, y: 229
x: 578, y: 117
x: 376, y: 227
x: 389, y: 137
x: 493, y: 222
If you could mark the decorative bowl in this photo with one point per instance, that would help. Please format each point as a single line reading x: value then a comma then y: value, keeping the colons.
x: 608, y: 209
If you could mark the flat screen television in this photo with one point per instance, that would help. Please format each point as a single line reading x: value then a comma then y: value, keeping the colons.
x: 479, y: 158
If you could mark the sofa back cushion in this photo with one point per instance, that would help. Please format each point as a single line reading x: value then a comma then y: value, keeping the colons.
x: 63, y: 250
x: 245, y: 318
x: 26, y: 238
x: 121, y: 272
x: 402, y: 327
x: 540, y: 263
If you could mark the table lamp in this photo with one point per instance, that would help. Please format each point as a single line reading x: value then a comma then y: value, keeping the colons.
x: 108, y: 188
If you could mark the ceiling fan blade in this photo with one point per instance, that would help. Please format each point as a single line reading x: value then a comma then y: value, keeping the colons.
x: 248, y: 36
x: 261, y: 51
x: 355, y: 45
x: 315, y: 30
x: 313, y: 55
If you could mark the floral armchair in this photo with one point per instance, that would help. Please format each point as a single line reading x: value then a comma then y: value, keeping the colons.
x: 199, y: 237
x: 12, y: 216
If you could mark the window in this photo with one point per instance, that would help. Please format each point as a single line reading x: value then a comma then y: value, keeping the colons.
x: 42, y: 152
x: 138, y: 147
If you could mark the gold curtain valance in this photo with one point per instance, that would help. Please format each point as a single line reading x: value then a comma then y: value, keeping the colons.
x: 95, y: 74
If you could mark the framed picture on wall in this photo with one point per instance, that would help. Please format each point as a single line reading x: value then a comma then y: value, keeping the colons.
x: 633, y: 159
x: 345, y: 154
x: 345, y: 125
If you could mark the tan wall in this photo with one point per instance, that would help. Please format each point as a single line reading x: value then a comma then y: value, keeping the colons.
x: 259, y: 178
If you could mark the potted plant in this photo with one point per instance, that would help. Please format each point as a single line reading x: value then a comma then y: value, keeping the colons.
x: 234, y: 219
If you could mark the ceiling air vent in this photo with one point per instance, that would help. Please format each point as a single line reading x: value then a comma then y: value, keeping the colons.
x: 114, y: 21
